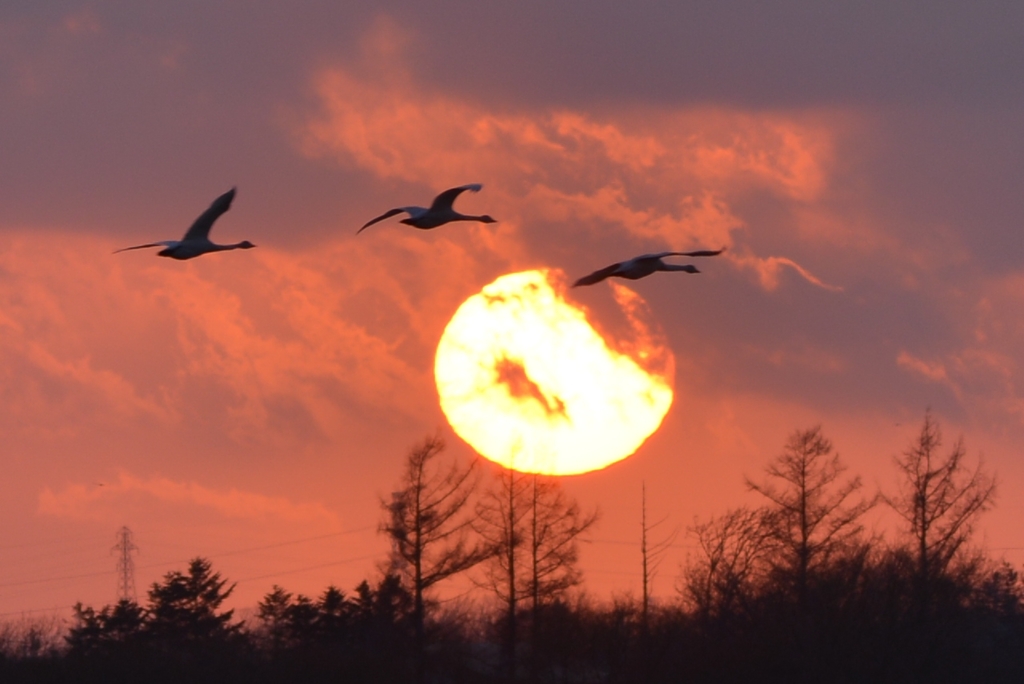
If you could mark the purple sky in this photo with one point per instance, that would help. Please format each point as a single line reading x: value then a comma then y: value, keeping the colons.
x: 862, y: 166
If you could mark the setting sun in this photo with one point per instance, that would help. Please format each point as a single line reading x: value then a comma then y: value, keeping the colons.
x: 527, y: 381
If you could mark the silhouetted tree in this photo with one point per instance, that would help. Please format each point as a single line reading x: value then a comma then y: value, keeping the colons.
x: 285, y: 622
x: 651, y: 555
x: 734, y: 556
x: 426, y: 523
x: 272, y: 610
x: 31, y: 639
x: 108, y: 631
x: 382, y: 617
x: 333, y: 615
x: 739, y: 620
x: 500, y: 520
x: 1001, y: 591
x: 533, y: 530
x: 555, y: 526
x: 297, y: 621
x: 811, y: 517
x: 183, y: 608
x: 939, y: 498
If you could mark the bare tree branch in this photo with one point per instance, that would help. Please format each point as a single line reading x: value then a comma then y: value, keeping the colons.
x: 429, y: 531
x: 940, y: 499
x: 811, y: 515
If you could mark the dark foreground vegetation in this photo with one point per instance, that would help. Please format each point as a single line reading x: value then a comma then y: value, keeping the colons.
x: 793, y: 591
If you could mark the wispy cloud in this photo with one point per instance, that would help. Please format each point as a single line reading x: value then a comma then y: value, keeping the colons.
x: 934, y: 371
x: 667, y: 178
x: 191, y: 344
x: 91, y: 500
x: 769, y: 270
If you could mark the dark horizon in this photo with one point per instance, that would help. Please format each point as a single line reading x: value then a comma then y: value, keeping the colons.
x: 929, y: 605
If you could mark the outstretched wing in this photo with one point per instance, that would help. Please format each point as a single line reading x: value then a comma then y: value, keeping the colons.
x: 698, y: 253
x: 598, y: 276
x: 200, y: 229
x: 164, y: 243
x: 447, y: 198
x: 386, y: 214
x: 701, y: 253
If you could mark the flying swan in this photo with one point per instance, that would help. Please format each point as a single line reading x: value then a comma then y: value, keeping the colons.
x: 197, y: 240
x: 439, y: 213
x: 645, y: 265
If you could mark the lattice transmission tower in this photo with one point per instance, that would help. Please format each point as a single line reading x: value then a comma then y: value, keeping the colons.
x: 123, y: 549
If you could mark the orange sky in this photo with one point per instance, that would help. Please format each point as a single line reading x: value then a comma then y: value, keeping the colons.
x: 252, y: 407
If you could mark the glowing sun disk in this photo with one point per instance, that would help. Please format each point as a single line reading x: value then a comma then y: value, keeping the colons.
x: 526, y: 380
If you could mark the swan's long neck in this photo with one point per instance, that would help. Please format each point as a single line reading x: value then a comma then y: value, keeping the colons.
x: 483, y: 218
x: 689, y: 268
x: 238, y: 245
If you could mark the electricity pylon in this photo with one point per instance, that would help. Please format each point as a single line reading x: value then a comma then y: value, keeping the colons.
x: 125, y: 565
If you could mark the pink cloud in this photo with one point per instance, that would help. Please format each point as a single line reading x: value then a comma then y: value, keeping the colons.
x: 769, y: 269
x: 85, y: 501
x: 82, y: 22
x: 148, y: 337
x: 934, y: 371
x: 667, y: 178
x: 703, y: 220
x: 981, y: 366
x: 387, y: 127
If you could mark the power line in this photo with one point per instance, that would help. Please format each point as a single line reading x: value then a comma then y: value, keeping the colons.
x: 54, y: 579
x: 264, y: 547
x: 34, y: 610
x: 622, y: 542
x: 310, y: 567
x: 296, y: 541
x: 48, y: 542
x: 148, y: 566
x: 244, y: 579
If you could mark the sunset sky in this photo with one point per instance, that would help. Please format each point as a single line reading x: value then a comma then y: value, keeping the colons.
x: 863, y: 167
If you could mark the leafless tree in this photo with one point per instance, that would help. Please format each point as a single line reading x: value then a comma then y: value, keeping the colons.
x: 534, y: 529
x: 651, y: 554
x: 735, y: 549
x: 426, y: 523
x: 27, y: 638
x: 939, y: 498
x: 811, y: 514
x: 556, y: 526
x: 501, y: 515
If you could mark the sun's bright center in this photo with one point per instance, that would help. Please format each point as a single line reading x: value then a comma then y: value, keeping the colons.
x: 526, y: 380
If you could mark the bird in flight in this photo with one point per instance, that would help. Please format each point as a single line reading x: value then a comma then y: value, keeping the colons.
x: 197, y: 240
x: 439, y: 213
x: 645, y: 265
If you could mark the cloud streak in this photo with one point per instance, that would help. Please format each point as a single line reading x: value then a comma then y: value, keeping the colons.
x: 665, y: 178
x: 85, y: 501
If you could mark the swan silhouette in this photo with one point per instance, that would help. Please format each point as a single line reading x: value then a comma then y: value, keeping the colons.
x: 644, y: 265
x: 197, y: 240
x: 439, y: 213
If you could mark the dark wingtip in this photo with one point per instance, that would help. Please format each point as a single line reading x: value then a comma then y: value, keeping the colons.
x: 225, y: 200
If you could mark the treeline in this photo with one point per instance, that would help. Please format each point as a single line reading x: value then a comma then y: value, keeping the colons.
x: 794, y: 590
